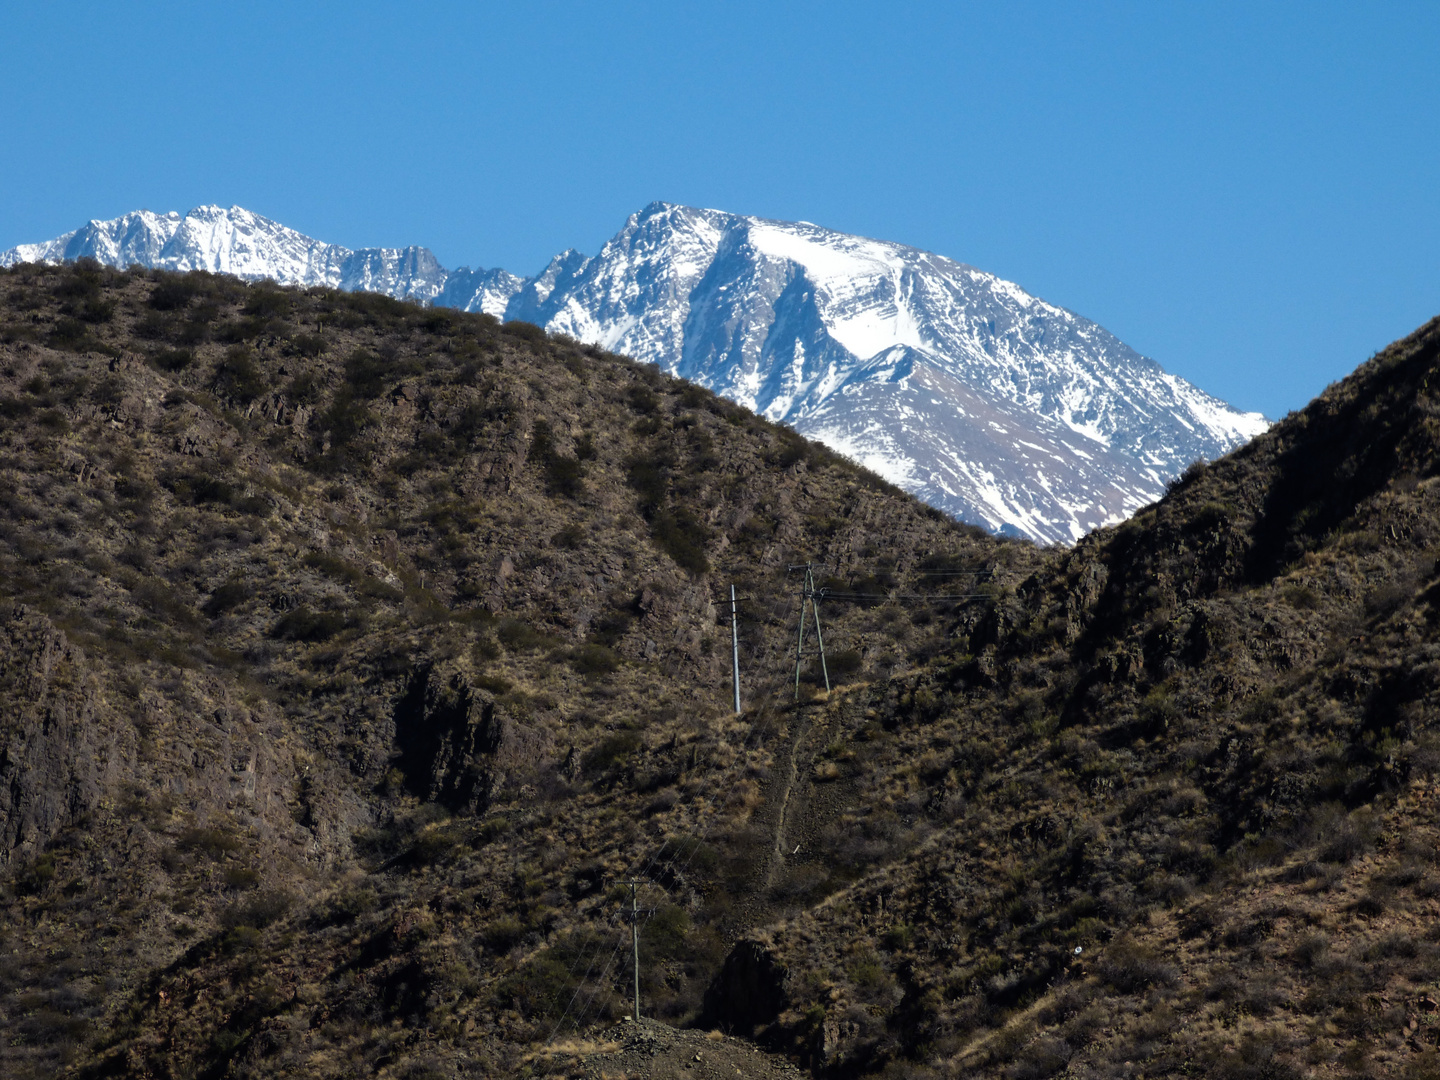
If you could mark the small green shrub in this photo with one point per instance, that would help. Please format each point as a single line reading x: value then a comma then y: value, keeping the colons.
x: 693, y: 396
x: 542, y: 987
x: 524, y: 331
x: 71, y: 333
x: 682, y: 536
x: 38, y: 873
x: 791, y: 449
x: 345, y: 419
x: 54, y: 421
x: 503, y: 934
x: 378, y: 844
x: 1301, y: 597
x: 520, y: 636
x: 898, y: 937
x: 592, y: 659
x: 649, y: 475
x: 153, y: 326
x: 844, y: 664
x: 666, y: 936
x: 173, y: 359
x: 267, y: 302
x: 365, y: 374
x: 494, y: 684
x: 643, y: 400
x: 172, y: 293
x: 610, y: 629
x: 305, y: 625
x: 612, y: 751
x: 310, y: 345
x: 303, y: 389
x: 571, y: 536
x: 241, y: 877
x: 1345, y: 837
x: 867, y: 972
x: 1209, y: 516
x: 238, y: 939
x: 455, y: 515
x: 563, y: 475
x: 261, y: 910
x: 1130, y: 967
x: 215, y: 843
x: 94, y: 311
x: 349, y: 905
x: 237, y: 378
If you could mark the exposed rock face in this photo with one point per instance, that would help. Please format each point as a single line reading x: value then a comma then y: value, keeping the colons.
x: 456, y: 745
x: 750, y: 991
x: 55, y: 760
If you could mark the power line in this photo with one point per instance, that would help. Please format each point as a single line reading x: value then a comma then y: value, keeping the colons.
x: 827, y: 594
x: 634, y: 915
x: 584, y: 1013
x: 668, y: 869
x: 594, y: 954
x: 811, y: 595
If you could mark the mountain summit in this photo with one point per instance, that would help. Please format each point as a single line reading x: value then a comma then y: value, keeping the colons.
x: 238, y: 242
x: 960, y: 387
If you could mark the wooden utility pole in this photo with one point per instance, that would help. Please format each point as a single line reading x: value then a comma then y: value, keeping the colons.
x: 635, y: 938
x: 735, y: 648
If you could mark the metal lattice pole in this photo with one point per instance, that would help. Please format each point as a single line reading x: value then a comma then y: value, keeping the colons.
x: 809, y: 594
x: 815, y: 607
x: 800, y: 641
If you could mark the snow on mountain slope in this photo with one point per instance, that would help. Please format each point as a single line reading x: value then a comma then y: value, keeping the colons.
x: 983, y: 400
x: 138, y: 237
x: 807, y: 326
x: 236, y: 241
x: 962, y: 448
x: 480, y: 290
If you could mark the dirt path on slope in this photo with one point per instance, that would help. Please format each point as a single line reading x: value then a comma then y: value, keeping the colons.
x: 803, y: 726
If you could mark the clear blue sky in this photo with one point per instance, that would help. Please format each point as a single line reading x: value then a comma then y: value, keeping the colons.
x: 1248, y: 192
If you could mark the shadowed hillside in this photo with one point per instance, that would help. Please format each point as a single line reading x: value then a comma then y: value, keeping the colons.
x: 1197, y: 760
x: 356, y: 650
x: 358, y: 654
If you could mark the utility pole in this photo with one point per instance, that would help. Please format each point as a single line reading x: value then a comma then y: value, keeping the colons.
x: 635, y: 938
x: 735, y: 648
x: 808, y: 593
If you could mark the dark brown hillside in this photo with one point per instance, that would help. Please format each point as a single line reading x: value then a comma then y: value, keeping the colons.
x: 1197, y: 758
x: 354, y: 651
x: 357, y: 653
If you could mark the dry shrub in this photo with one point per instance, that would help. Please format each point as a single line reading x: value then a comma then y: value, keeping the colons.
x: 743, y: 798
x: 1130, y: 967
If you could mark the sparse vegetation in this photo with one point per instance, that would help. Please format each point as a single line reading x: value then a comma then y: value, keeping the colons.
x: 357, y: 657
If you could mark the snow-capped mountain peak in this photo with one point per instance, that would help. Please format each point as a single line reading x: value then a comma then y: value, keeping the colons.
x: 239, y: 242
x: 982, y: 399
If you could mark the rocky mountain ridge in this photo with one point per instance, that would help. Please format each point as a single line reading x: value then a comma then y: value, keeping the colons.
x: 357, y: 654
x: 993, y: 405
